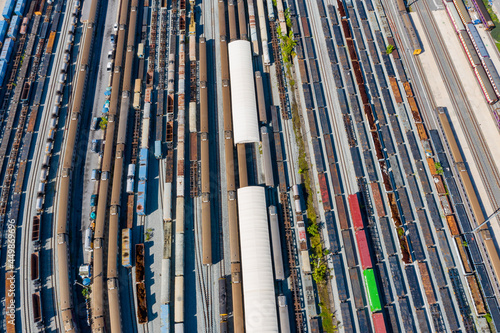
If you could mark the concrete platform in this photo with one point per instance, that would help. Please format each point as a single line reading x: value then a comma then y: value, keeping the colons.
x: 483, y: 115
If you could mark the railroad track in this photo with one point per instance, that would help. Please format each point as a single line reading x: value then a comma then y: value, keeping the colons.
x: 485, y: 155
x: 349, y: 185
x: 31, y: 194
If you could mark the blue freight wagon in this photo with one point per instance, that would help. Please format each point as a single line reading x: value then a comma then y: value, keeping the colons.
x: 143, y: 164
x: 4, y: 25
x: 158, y: 153
x: 3, y: 71
x: 15, y: 23
x: 8, y: 8
x: 165, y: 318
x: 7, y: 49
x: 20, y: 6
x: 141, y: 198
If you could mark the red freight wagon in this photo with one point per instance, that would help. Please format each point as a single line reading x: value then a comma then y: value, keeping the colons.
x: 364, y: 251
x: 325, y: 196
x: 378, y: 322
x: 357, y: 221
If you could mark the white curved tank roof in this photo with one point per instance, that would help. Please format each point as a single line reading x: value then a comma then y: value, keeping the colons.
x: 243, y: 103
x: 258, y: 282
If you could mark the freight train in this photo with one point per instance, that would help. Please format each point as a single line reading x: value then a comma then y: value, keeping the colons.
x: 410, y: 29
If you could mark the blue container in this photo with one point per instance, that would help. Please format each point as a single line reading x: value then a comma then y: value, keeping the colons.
x: 143, y: 164
x: 165, y: 318
x: 7, y: 49
x: 4, y: 25
x: 15, y: 23
x: 3, y: 71
x: 8, y: 8
x: 158, y: 153
x: 19, y: 9
x: 141, y: 198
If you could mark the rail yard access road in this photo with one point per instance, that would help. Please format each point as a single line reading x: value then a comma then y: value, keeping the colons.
x: 248, y: 166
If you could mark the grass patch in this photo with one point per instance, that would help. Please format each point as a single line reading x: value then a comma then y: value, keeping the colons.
x: 321, y: 272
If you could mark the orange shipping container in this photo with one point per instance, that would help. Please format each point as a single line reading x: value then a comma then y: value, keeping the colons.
x: 395, y: 90
x: 476, y: 295
x: 421, y: 131
x: 463, y: 255
x: 432, y: 165
x: 426, y: 280
x: 377, y: 199
x: 452, y: 224
x: 147, y: 95
x: 438, y: 181
x: 408, y: 91
x: 50, y: 43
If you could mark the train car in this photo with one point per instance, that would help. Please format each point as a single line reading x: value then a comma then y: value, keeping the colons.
x: 20, y: 6
x: 37, y: 309
x: 357, y: 220
x: 35, y: 231
x: 266, y: 156
x: 462, y: 11
x: 4, y: 26
x: 279, y: 272
x: 141, y: 198
x: 302, y: 235
x: 410, y: 30
x: 8, y: 9
x: 24, y: 26
x: 35, y: 267
x: 14, y: 26
x: 372, y: 290
x: 454, y: 16
x: 126, y: 247
x: 88, y: 240
x: 477, y: 41
x: 167, y: 202
x: 39, y: 7
x: 223, y: 309
x: 485, y: 85
x: 283, y: 314
x: 364, y: 251
x: 469, y: 49
x: 297, y: 201
x: 137, y: 101
x: 483, y: 14
x: 270, y: 10
x: 3, y: 71
x: 492, y: 73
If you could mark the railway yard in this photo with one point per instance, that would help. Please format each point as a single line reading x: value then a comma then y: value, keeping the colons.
x: 249, y: 165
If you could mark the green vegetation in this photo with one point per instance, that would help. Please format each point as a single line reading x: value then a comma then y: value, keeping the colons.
x: 318, y: 254
x: 288, y: 19
x: 274, y: 3
x: 439, y: 168
x: 85, y: 292
x: 103, y: 123
x: 149, y: 234
x: 287, y: 44
x: 495, y: 32
x: 390, y: 49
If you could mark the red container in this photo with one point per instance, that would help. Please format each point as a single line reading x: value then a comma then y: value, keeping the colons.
x: 379, y: 323
x: 325, y: 196
x: 357, y: 221
x: 364, y: 251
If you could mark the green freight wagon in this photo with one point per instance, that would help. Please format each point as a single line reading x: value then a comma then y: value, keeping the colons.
x: 371, y: 287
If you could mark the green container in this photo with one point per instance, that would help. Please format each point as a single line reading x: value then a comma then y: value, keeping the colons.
x: 371, y: 287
